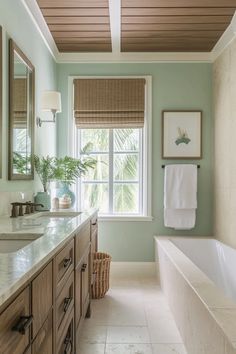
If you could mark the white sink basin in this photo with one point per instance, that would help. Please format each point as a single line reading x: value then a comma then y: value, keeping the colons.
x: 19, y: 236
x: 54, y: 214
x: 10, y: 246
x: 13, y: 241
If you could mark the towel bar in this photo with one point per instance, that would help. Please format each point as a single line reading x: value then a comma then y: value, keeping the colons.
x: 163, y: 166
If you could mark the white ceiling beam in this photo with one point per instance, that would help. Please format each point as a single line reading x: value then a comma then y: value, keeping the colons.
x: 133, y: 57
x: 115, y: 24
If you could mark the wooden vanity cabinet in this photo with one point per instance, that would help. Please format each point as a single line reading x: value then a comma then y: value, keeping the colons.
x: 82, y: 242
x: 66, y: 344
x: 82, y: 276
x: 78, y: 296
x: 45, y: 318
x: 64, y: 291
x: 43, y: 343
x: 64, y: 306
x: 42, y: 304
x: 85, y: 282
x: 42, y: 299
x: 28, y: 319
x: 15, y: 324
x: 63, y: 265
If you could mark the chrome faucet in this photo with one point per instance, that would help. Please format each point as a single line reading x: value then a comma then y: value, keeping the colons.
x: 17, y: 208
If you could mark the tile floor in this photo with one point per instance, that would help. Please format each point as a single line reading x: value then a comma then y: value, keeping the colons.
x: 133, y: 318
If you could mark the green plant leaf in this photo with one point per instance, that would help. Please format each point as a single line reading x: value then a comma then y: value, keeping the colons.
x: 66, y: 169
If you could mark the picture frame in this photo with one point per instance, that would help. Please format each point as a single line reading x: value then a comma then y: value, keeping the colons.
x: 182, y: 134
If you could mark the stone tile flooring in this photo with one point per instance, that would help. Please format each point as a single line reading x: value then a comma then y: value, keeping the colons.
x: 133, y: 318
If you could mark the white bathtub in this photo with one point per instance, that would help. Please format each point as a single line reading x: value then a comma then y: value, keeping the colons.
x: 198, y: 276
x: 215, y: 259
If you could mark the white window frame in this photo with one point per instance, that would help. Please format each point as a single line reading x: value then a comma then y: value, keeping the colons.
x: 111, y: 182
x: 146, y: 148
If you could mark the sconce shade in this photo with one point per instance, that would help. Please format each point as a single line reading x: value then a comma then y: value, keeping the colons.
x: 51, y: 101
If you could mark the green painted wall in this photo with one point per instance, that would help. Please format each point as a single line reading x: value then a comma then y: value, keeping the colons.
x: 17, y: 24
x: 175, y: 86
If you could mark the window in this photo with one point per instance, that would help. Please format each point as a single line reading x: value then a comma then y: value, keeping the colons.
x: 114, y: 115
x: 115, y: 185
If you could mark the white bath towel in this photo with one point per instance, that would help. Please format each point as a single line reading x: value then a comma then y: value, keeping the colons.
x: 180, y: 196
x: 180, y: 187
x: 180, y: 219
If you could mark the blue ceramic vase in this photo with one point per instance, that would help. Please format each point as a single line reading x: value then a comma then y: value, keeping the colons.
x: 64, y: 189
x: 43, y: 198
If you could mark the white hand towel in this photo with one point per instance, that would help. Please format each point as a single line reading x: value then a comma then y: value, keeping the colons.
x: 180, y: 196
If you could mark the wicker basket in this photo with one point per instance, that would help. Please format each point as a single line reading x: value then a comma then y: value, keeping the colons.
x: 101, y: 270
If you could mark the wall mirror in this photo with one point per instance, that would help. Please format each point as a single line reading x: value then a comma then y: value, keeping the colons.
x: 21, y: 115
x: 0, y: 101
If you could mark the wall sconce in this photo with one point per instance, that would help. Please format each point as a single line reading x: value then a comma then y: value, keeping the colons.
x: 51, y: 102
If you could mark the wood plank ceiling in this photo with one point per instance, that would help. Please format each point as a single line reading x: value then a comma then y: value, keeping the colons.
x: 78, y: 25
x: 174, y: 25
x: 146, y: 25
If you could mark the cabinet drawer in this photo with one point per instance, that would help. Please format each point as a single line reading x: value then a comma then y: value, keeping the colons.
x: 41, y: 298
x: 64, y: 305
x: 15, y: 341
x: 43, y: 341
x: 82, y: 241
x: 66, y: 344
x: 64, y: 264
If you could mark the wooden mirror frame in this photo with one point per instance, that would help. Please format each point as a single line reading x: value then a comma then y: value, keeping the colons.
x: 0, y: 102
x: 13, y: 48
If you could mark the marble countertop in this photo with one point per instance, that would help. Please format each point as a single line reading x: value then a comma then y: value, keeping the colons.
x: 18, y: 267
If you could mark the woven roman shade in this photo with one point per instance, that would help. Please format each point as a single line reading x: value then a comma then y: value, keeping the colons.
x: 109, y: 103
x: 20, y: 103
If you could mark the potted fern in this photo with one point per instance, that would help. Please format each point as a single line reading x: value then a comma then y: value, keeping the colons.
x: 44, y: 169
x: 66, y: 171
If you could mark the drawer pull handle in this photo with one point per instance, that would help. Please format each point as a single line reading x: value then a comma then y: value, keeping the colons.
x: 84, y: 266
x: 67, y: 262
x: 94, y: 222
x: 67, y: 303
x: 68, y: 345
x: 23, y: 324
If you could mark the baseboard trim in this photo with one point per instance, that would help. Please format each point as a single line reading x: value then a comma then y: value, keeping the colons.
x: 133, y: 270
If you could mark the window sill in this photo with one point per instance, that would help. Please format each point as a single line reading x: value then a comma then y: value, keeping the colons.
x: 125, y: 218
